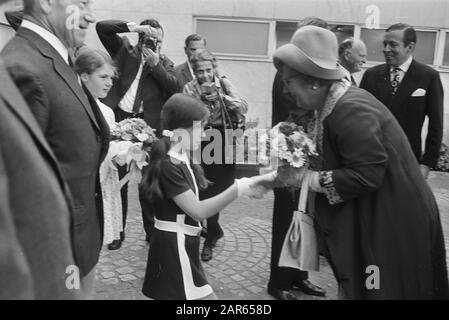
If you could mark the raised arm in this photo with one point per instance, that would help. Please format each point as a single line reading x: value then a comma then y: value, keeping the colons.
x: 200, y: 210
x: 108, y: 31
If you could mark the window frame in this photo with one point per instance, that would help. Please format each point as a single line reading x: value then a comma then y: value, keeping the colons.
x: 331, y: 23
x: 442, y: 43
x: 239, y: 56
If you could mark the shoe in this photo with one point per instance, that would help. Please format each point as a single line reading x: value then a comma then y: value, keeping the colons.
x: 122, y: 236
x: 214, y: 241
x: 115, y: 245
x: 309, y: 288
x: 280, y: 294
x: 206, y: 254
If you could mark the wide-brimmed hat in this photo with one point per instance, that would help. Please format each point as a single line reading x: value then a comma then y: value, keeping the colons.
x: 312, y: 51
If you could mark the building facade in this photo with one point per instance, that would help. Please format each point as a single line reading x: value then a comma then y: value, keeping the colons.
x: 244, y: 33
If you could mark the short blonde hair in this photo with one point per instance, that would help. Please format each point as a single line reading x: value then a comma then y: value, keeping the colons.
x: 89, y: 60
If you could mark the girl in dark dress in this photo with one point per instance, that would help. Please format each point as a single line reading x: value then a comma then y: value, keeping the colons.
x: 172, y: 184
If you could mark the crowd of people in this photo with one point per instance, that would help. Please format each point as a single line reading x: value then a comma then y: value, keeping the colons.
x: 59, y: 100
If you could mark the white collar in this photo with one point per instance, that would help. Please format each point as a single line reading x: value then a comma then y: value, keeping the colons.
x: 49, y: 37
x: 406, y: 65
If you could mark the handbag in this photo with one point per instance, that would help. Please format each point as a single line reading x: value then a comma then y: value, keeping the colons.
x: 300, y: 247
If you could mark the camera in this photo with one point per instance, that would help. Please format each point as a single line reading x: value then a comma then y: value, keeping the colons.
x: 208, y: 88
x: 150, y: 43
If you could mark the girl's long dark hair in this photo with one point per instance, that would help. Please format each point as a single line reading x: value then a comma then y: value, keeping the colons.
x: 178, y: 112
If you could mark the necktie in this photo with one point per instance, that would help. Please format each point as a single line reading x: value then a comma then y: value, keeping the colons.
x: 395, y: 80
x: 353, y: 81
x: 139, y: 94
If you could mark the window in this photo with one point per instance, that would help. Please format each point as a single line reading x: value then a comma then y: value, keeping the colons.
x: 424, y: 50
x: 446, y: 50
x: 235, y: 37
x: 373, y: 39
x: 285, y: 30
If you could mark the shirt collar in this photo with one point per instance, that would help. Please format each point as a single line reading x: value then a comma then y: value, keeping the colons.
x: 406, y: 65
x: 49, y: 37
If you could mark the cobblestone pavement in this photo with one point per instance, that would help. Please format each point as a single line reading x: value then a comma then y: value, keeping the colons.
x: 241, y: 265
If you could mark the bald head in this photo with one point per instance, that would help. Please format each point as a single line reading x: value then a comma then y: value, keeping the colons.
x: 352, y: 54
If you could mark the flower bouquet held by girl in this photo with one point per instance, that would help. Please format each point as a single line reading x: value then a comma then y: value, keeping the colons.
x: 130, y: 138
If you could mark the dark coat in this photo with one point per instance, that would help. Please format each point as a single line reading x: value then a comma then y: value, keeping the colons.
x: 389, y: 217
x: 160, y: 82
x: 183, y: 74
x: 35, y: 222
x: 411, y: 111
x: 75, y: 130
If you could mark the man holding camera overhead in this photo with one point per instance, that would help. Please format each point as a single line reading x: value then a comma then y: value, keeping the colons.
x: 146, y: 79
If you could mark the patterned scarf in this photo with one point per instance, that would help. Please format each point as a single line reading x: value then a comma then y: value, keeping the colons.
x: 336, y: 91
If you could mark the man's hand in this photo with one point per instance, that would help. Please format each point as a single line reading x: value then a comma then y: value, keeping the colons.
x: 151, y: 58
x: 424, y: 170
x: 145, y: 29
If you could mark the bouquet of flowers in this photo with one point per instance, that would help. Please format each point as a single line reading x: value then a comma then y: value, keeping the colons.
x: 128, y: 138
x: 288, y: 149
x: 134, y: 130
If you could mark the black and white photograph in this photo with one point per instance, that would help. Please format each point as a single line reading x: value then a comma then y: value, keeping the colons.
x: 245, y: 151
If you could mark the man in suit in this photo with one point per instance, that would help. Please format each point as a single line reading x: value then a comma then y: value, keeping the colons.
x: 411, y: 90
x: 283, y: 280
x: 38, y: 59
x: 35, y: 222
x: 146, y: 80
x: 352, y: 56
x: 140, y: 67
x: 184, y: 72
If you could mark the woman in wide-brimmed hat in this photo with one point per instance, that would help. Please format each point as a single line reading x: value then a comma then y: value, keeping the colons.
x: 377, y: 220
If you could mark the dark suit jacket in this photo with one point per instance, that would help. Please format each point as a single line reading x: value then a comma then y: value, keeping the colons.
x: 75, y: 130
x: 35, y: 236
x: 183, y: 74
x: 160, y: 82
x: 410, y: 111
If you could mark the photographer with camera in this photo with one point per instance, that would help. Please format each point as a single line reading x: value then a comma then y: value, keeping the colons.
x: 226, y: 108
x: 146, y: 81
